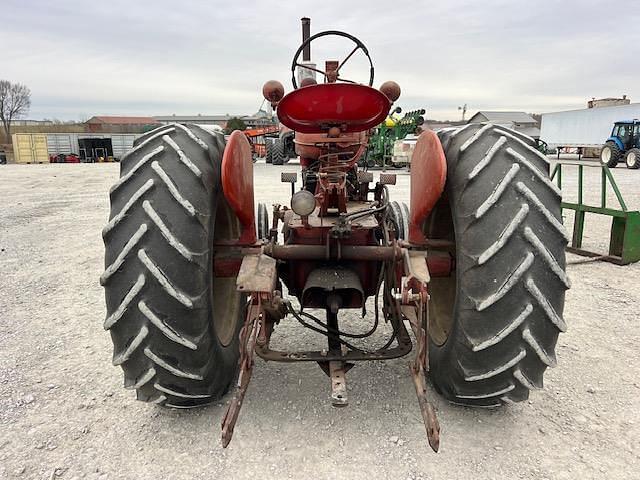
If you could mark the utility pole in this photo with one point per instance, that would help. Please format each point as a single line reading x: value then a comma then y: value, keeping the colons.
x: 464, y: 110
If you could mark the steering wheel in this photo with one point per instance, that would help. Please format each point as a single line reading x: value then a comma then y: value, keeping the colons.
x: 359, y: 46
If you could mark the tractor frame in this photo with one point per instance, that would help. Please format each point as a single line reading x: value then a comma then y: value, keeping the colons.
x: 341, y: 244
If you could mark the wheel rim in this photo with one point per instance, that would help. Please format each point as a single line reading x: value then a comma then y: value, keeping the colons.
x: 226, y: 307
x: 631, y: 159
x: 441, y: 308
x: 226, y: 301
x: 442, y: 290
x: 605, y: 156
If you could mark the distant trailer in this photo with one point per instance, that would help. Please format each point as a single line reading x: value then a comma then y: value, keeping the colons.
x: 586, y: 128
x: 91, y: 146
x: 62, y: 143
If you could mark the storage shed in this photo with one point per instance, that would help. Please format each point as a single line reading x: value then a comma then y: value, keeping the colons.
x: 520, y: 121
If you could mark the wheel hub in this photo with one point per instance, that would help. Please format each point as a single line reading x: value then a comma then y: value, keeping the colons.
x: 631, y: 159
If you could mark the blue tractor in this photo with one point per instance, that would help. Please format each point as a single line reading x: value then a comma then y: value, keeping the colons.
x: 624, y: 142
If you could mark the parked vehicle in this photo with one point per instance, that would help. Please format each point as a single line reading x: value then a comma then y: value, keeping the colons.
x: 258, y: 139
x: 623, y: 143
x: 281, y: 149
x: 474, y: 265
x: 64, y: 158
x: 585, y: 129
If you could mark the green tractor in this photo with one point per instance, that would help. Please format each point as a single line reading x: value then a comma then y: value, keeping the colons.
x: 380, y: 149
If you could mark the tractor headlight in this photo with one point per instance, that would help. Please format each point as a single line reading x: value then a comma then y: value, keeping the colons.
x: 303, y: 203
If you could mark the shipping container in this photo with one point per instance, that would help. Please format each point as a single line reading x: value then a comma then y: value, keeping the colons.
x: 30, y: 148
x: 64, y: 143
x: 589, y: 127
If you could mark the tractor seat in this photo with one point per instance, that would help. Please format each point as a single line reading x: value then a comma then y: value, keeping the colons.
x: 316, y: 108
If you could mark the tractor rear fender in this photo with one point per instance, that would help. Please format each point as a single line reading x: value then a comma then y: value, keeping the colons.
x: 237, y: 184
x: 617, y: 141
x: 428, y: 176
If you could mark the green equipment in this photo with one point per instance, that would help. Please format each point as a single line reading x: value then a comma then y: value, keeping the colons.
x: 380, y: 149
x: 624, y: 242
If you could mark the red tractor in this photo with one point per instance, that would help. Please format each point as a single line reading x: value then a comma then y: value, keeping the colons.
x: 474, y: 266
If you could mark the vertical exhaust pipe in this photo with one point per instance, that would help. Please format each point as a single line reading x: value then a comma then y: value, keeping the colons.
x: 304, y: 74
x: 306, y: 33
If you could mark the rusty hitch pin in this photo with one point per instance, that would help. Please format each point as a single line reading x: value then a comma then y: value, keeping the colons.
x: 247, y: 342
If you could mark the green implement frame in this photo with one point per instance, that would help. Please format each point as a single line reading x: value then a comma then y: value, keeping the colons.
x: 380, y: 149
x: 624, y: 243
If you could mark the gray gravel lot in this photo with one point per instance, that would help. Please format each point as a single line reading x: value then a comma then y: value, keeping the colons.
x: 64, y: 413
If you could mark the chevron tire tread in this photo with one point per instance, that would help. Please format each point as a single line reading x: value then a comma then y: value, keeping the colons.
x: 277, y: 153
x: 158, y: 280
x: 510, y: 279
x: 268, y: 158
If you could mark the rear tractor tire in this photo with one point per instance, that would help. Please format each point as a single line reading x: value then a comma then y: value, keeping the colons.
x: 610, y: 154
x: 268, y: 158
x: 632, y: 158
x: 494, y: 323
x: 262, y: 222
x: 277, y: 153
x: 399, y: 216
x: 173, y: 324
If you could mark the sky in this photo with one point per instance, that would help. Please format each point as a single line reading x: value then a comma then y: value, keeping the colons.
x: 161, y: 57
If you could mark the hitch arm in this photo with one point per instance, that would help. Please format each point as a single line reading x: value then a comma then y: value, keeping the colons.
x: 415, y: 307
x: 248, y: 335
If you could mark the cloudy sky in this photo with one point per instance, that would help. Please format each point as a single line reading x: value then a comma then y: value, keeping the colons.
x: 161, y: 57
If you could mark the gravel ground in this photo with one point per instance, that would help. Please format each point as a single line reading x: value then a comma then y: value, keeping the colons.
x: 63, y: 413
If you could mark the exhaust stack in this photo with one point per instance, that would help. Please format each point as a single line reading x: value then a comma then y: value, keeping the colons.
x: 306, y: 76
x: 306, y: 33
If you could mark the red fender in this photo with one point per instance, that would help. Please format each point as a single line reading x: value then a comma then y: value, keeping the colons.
x: 237, y: 184
x: 428, y: 176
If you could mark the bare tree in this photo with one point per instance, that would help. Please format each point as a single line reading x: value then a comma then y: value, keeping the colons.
x: 15, y: 100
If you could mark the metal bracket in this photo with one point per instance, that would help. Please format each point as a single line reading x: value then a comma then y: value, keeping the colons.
x: 289, y: 177
x: 257, y: 274
x: 338, y: 384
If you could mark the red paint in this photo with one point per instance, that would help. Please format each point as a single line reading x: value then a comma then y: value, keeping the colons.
x: 294, y: 273
x: 316, y: 108
x: 313, y: 145
x: 428, y: 176
x: 226, y: 267
x: 237, y: 183
x: 440, y: 264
